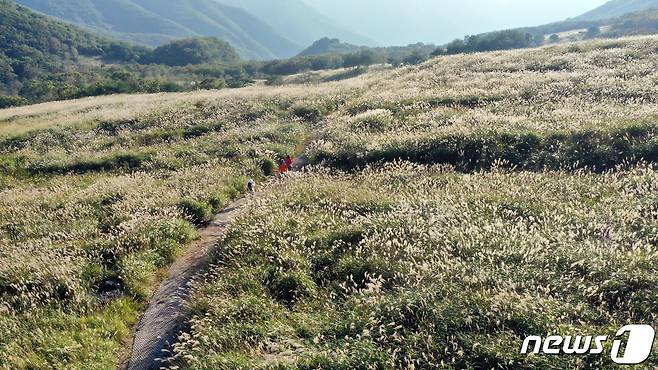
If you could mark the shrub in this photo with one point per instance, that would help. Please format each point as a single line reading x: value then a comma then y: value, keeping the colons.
x: 218, y: 201
x: 197, y: 212
x: 499, y: 40
x: 137, y: 271
x: 357, y: 273
x: 350, y: 73
x: 268, y: 167
x: 289, y: 287
x: 274, y: 81
x: 308, y: 114
x: 167, y: 251
x: 593, y: 31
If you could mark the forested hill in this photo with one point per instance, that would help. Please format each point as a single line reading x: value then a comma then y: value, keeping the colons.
x: 156, y: 22
x: 44, y: 59
x: 31, y: 38
x: 32, y: 45
x: 329, y: 46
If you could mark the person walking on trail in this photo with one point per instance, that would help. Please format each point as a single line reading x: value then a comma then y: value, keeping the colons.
x: 283, y: 168
x: 288, y: 162
x: 251, y: 186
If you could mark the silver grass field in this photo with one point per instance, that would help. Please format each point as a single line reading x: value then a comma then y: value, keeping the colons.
x: 450, y: 210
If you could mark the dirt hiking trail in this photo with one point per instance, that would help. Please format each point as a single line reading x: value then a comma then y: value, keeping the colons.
x: 165, y: 316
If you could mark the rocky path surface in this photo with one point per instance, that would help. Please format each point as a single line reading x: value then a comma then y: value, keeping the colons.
x: 161, y: 323
x: 165, y: 316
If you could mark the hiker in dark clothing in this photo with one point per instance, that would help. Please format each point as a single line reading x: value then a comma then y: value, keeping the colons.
x: 251, y: 186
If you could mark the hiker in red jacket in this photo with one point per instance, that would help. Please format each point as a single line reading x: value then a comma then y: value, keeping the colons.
x: 288, y: 162
x: 283, y: 168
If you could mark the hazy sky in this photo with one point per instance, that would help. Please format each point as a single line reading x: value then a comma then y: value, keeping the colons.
x: 400, y: 22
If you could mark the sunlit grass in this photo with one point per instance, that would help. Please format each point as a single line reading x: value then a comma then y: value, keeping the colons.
x: 540, y: 217
x: 410, y: 266
x: 108, y: 191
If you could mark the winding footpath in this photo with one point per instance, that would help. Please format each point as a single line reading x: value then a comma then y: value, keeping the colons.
x: 165, y: 316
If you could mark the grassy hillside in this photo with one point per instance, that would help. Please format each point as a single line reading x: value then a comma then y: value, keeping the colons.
x: 154, y: 22
x: 475, y: 212
x: 456, y: 207
x: 542, y: 110
x: 405, y: 266
x: 618, y: 8
x: 103, y: 192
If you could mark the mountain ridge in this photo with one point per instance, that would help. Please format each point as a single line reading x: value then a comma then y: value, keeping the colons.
x: 150, y: 23
x: 298, y: 21
x: 617, y: 8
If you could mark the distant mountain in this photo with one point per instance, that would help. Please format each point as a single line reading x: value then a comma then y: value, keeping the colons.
x: 155, y: 22
x: 617, y: 8
x: 297, y: 21
x: 329, y: 46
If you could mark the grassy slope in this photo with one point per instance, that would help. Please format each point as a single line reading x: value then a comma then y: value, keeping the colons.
x: 581, y: 105
x: 110, y: 188
x: 405, y: 266
x: 98, y: 188
x: 453, y: 264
